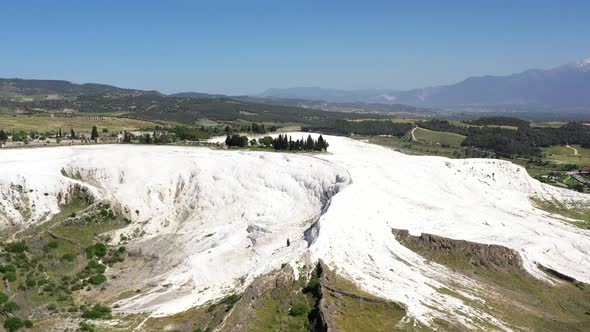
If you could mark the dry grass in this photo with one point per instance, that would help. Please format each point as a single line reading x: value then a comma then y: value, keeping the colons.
x: 47, y: 123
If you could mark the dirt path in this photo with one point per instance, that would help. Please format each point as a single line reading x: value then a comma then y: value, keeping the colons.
x: 414, y: 137
x: 567, y: 146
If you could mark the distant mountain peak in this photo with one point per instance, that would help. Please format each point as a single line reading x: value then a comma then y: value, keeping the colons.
x: 563, y: 86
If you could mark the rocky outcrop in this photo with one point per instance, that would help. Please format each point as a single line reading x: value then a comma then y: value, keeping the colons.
x: 338, y: 298
x: 254, y: 297
x: 321, y: 318
x: 490, y: 256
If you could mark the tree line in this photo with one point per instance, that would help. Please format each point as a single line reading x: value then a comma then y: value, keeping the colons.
x: 282, y: 142
x: 499, y: 121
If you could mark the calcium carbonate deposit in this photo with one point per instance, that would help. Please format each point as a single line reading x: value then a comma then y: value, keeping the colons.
x: 217, y: 219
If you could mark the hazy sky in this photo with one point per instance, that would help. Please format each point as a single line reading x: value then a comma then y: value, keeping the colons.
x: 247, y: 46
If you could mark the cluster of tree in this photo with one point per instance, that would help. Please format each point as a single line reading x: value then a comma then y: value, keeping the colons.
x: 17, y: 136
x: 498, y: 121
x: 371, y: 127
x: 256, y: 128
x: 146, y: 139
x: 14, y: 323
x: 21, y: 135
x: 149, y: 138
x: 504, y: 142
x: 282, y: 142
x: 236, y: 140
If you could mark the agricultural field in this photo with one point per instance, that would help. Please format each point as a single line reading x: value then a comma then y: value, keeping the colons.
x: 437, y: 137
x: 550, y: 124
x: 78, y: 123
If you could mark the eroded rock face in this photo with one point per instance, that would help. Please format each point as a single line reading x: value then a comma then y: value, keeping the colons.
x: 491, y: 256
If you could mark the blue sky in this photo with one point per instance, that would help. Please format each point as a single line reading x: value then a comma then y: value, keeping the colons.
x: 248, y: 46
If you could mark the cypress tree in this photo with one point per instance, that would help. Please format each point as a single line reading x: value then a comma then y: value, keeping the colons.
x: 309, y: 144
x: 94, y: 134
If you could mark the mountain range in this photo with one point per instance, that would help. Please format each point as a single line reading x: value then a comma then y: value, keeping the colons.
x: 566, y: 87
x: 11, y: 87
x: 563, y: 86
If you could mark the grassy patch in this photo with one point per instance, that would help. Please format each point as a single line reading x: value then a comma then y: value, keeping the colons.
x: 77, y: 204
x: 50, y: 263
x: 438, y: 137
x: 565, y: 155
x: 357, y: 312
x: 284, y: 309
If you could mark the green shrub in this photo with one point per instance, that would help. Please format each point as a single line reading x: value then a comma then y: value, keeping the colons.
x: 13, y: 324
x: 86, y: 327
x: 11, y: 306
x: 31, y: 282
x: 98, y: 250
x: 94, y: 267
x: 16, y: 247
x: 28, y: 324
x: 68, y: 257
x: 9, y: 276
x: 97, y: 312
x: 8, y: 268
x: 97, y: 279
x: 312, y: 285
x: 53, y: 244
x: 230, y: 301
x: 299, y: 309
x: 3, y: 297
